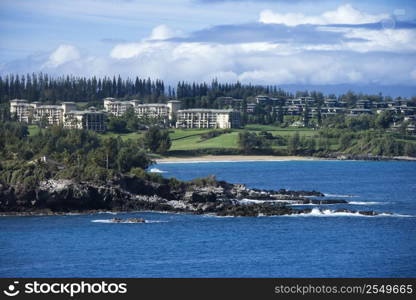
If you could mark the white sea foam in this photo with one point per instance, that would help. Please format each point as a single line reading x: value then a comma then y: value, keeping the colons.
x: 155, y: 221
x: 341, y: 196
x: 156, y: 170
x: 126, y: 222
x: 309, y: 204
x: 102, y: 221
x: 365, y: 203
x: 331, y: 213
x: 254, y: 201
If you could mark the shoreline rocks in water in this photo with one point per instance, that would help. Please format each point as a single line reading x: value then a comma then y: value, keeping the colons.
x: 129, y: 193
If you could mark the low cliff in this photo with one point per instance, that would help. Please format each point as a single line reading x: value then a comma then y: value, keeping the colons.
x: 129, y: 193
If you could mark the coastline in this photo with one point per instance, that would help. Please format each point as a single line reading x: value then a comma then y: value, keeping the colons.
x: 233, y: 158
x: 258, y: 158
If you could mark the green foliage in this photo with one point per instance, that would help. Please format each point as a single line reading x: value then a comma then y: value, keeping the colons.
x: 117, y: 125
x: 293, y: 144
x: 75, y: 154
x: 362, y: 122
x: 214, y: 133
x: 209, y: 180
x: 157, y: 140
x: 251, y: 142
x: 384, y: 120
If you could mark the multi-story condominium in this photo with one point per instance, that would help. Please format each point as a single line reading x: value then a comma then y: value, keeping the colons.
x: 359, y: 111
x: 301, y: 101
x: 363, y: 104
x: 64, y: 114
x: 207, y: 118
x: 331, y: 102
x: 117, y: 107
x: 153, y: 110
x: 250, y: 108
x: 22, y: 110
x: 52, y: 114
x: 90, y: 119
x: 294, y: 109
x: 35, y: 111
x: 266, y: 100
x: 230, y: 102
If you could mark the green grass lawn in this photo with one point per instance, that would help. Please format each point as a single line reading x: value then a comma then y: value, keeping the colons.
x: 183, y: 133
x: 124, y: 136
x: 193, y: 142
x: 190, y: 139
x: 281, y: 131
x: 33, y: 130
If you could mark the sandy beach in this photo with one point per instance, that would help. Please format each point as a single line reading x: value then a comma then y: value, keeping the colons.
x: 230, y: 158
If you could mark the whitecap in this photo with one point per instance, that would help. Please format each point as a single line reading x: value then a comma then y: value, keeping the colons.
x: 126, y: 222
x: 315, y: 212
x: 340, y: 196
x: 156, y: 170
x: 102, y: 221
x: 365, y: 203
x: 107, y: 212
x: 254, y: 201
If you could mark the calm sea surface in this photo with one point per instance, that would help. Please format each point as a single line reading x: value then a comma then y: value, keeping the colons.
x: 321, y: 244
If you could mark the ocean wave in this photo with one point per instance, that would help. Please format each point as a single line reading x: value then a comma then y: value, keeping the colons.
x: 340, y: 196
x: 254, y: 201
x: 107, y: 212
x: 332, y: 213
x: 156, y: 170
x: 365, y: 203
x: 110, y: 221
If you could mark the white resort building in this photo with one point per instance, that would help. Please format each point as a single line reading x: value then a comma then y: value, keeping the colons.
x: 65, y: 114
x: 207, y: 118
x: 90, y: 119
x: 152, y: 110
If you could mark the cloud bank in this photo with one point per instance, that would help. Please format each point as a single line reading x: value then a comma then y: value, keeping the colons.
x: 341, y: 46
x: 344, y: 14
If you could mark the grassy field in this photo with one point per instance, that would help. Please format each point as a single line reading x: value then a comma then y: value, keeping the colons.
x: 33, y: 129
x: 193, y: 142
x: 307, y: 132
x: 124, y: 136
x: 191, y: 139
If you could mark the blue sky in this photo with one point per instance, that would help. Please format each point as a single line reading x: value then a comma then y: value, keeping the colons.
x: 267, y: 42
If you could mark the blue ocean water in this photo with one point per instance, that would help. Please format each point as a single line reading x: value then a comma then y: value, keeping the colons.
x: 174, y: 245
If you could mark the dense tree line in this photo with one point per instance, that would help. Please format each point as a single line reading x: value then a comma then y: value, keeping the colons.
x: 45, y: 88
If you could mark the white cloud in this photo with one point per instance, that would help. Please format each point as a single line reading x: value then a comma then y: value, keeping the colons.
x: 163, y: 32
x: 344, y: 14
x: 129, y: 50
x: 262, y: 63
x: 63, y: 54
x: 259, y: 63
x: 392, y: 40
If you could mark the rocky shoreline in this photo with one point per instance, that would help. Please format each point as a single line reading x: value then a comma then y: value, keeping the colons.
x: 129, y: 193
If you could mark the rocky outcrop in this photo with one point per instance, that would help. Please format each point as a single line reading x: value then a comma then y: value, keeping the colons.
x: 129, y: 193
